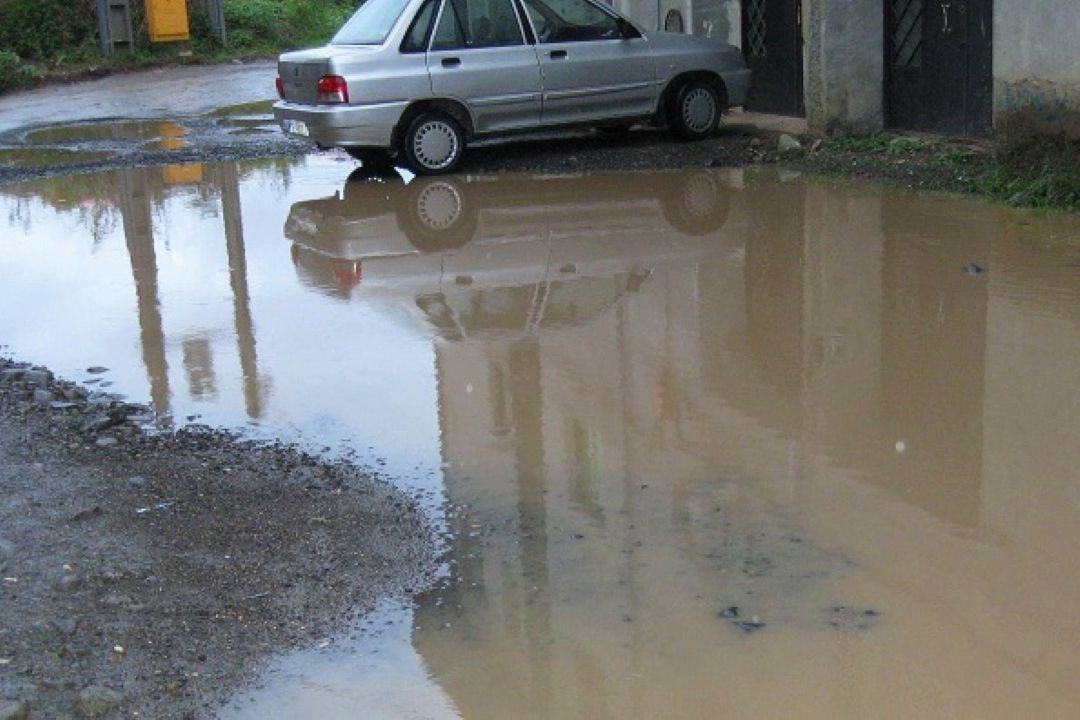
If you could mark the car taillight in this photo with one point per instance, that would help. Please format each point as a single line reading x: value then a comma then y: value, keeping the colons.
x: 332, y: 89
x: 280, y: 87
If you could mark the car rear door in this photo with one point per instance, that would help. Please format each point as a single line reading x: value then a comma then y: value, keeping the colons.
x: 590, y: 70
x: 478, y: 55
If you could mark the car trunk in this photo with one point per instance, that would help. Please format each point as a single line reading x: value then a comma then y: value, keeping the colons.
x: 300, y: 71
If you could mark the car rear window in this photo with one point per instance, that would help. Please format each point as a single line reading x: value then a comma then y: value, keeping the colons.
x: 371, y: 23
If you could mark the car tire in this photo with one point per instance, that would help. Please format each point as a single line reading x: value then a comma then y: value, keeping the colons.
x: 434, y: 144
x: 695, y: 109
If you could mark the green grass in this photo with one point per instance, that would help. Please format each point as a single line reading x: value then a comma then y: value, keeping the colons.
x: 57, y: 39
x: 881, y: 143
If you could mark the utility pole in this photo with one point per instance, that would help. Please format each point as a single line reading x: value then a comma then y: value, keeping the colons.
x: 217, y: 19
x: 114, y: 25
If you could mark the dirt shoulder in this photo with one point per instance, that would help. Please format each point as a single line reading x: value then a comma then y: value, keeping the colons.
x: 152, y: 574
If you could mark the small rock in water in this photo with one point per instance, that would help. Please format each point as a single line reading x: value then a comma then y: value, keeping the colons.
x: 849, y: 619
x: 973, y: 269
x: 752, y: 625
x: 729, y: 612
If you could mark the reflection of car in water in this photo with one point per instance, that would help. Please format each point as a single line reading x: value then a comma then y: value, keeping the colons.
x: 486, y: 254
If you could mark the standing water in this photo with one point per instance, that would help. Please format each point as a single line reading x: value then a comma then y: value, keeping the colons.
x: 705, y: 444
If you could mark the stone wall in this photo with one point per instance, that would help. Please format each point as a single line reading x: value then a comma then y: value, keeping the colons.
x: 1036, y: 67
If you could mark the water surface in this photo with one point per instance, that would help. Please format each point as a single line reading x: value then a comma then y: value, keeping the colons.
x: 708, y: 444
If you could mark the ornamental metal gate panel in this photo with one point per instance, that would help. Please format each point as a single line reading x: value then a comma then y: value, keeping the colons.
x: 938, y: 60
x: 772, y: 45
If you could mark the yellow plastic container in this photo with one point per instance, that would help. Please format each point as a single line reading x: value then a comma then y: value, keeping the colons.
x: 167, y: 20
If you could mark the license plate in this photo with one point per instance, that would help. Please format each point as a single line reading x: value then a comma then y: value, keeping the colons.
x: 295, y: 127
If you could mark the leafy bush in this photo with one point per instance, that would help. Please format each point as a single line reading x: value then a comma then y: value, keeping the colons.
x: 14, y: 73
x: 274, y: 25
x: 45, y: 29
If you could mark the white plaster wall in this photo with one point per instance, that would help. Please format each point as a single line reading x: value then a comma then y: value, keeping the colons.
x: 844, y: 79
x: 1037, y: 65
x: 720, y: 19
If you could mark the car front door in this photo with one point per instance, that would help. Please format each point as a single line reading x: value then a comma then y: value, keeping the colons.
x: 478, y: 55
x: 591, y: 70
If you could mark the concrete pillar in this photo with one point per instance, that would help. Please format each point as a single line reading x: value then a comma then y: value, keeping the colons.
x: 844, y: 54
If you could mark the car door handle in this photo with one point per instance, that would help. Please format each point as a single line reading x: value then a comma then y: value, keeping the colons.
x: 558, y: 54
x: 451, y: 62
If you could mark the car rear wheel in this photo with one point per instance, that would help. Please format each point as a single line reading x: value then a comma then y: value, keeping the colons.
x: 695, y: 110
x: 433, y: 144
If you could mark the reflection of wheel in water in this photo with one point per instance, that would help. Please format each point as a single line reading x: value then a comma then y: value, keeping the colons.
x: 437, y: 214
x: 696, y: 203
x: 439, y: 205
x: 364, y: 181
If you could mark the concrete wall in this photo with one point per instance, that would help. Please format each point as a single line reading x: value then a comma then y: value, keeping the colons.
x: 1036, y: 67
x: 844, y: 73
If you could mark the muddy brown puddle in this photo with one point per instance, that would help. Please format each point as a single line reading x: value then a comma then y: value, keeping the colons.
x: 704, y: 444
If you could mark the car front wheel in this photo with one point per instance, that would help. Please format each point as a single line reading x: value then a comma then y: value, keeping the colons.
x: 434, y: 144
x: 695, y: 111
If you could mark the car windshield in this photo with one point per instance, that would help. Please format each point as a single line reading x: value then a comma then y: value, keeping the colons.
x: 371, y: 23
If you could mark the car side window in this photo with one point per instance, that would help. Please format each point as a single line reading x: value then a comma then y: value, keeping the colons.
x: 416, y: 38
x: 558, y: 21
x: 468, y: 24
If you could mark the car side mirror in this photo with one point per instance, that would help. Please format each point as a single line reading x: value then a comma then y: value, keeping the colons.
x: 626, y: 30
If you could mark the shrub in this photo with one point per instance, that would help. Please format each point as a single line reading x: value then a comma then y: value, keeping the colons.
x: 44, y: 29
x: 14, y: 73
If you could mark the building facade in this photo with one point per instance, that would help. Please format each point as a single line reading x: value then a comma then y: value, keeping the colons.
x: 956, y: 67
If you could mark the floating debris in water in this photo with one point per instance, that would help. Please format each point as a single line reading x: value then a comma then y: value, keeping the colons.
x: 849, y: 619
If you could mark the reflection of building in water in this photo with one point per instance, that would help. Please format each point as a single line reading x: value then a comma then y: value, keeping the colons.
x: 135, y: 208
x: 833, y: 371
x: 139, y: 189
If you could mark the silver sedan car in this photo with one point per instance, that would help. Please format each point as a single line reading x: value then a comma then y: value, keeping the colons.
x: 420, y: 78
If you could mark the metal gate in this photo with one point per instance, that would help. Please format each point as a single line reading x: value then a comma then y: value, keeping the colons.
x: 772, y: 45
x: 939, y: 65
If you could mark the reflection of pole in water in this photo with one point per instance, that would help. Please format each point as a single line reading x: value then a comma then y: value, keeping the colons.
x: 139, y: 234
x: 526, y: 398
x: 238, y: 281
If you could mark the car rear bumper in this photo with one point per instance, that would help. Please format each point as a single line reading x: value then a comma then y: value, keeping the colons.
x: 738, y: 85
x: 365, y: 126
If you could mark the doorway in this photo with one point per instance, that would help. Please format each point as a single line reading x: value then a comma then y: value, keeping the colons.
x: 938, y: 61
x: 772, y: 46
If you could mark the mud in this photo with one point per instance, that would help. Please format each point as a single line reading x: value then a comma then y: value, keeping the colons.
x: 167, y: 567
